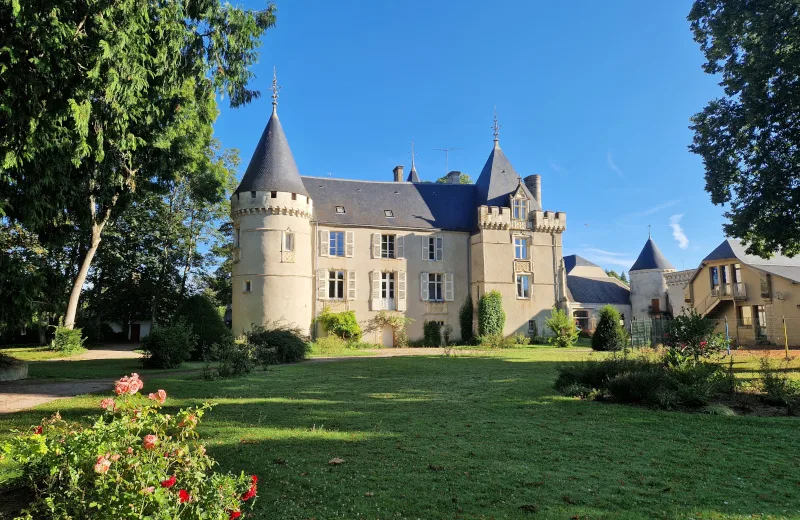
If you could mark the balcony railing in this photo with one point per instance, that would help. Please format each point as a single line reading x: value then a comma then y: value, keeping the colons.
x: 727, y: 291
x: 740, y: 291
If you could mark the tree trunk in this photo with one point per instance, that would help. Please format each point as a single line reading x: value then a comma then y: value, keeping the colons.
x: 77, y: 287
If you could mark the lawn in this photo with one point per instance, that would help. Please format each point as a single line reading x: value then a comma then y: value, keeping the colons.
x: 479, y: 435
x: 37, y: 353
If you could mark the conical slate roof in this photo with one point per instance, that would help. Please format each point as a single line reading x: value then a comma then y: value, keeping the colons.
x: 651, y: 258
x: 412, y: 175
x: 272, y: 167
x: 497, y: 180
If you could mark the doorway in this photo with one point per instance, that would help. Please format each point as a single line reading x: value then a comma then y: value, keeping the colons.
x: 136, y: 332
x: 387, y: 339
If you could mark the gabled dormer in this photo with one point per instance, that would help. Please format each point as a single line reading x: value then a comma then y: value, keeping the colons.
x: 519, y: 202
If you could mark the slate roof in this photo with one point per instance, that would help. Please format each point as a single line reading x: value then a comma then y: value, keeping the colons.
x: 651, y: 258
x: 497, y: 179
x: 598, y: 290
x: 272, y: 167
x: 415, y: 205
x: 778, y: 265
x: 412, y: 175
x: 573, y: 261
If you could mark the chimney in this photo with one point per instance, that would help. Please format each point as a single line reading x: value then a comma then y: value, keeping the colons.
x: 454, y: 177
x: 534, y: 185
x: 398, y: 173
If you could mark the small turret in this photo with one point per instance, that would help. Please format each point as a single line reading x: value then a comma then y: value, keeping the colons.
x: 648, y: 285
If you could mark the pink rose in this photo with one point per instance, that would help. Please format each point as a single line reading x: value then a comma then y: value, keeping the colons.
x: 107, y: 403
x: 102, y: 465
x: 159, y: 396
x: 147, y: 490
x: 130, y: 450
x: 115, y: 457
x: 149, y: 441
x: 128, y: 384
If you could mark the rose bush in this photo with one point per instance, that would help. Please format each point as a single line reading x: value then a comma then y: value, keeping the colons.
x: 132, y: 462
x: 689, y: 338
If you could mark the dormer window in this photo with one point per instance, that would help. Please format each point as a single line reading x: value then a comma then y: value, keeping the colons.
x: 340, y: 210
x: 388, y: 213
x: 253, y: 194
x: 519, y: 209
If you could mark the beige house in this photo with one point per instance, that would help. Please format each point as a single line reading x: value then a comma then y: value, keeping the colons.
x: 589, y: 289
x: 303, y: 244
x: 754, y: 294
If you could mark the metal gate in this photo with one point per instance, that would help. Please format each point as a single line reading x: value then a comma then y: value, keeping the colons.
x: 648, y: 332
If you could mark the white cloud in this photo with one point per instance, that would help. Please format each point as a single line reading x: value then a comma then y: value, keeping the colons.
x: 557, y: 167
x: 606, y: 258
x: 613, y: 165
x: 602, y: 252
x: 677, y: 231
x: 656, y: 208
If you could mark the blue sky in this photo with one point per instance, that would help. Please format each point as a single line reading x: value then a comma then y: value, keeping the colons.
x: 594, y: 96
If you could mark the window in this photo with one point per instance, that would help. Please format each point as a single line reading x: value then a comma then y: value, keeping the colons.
x: 433, y: 248
x: 387, y: 285
x: 388, y: 213
x: 745, y: 317
x: 340, y: 210
x: 336, y: 285
x: 273, y: 194
x: 655, y: 305
x: 248, y: 286
x: 435, y: 287
x: 760, y: 321
x: 387, y: 246
x: 521, y: 248
x: 336, y: 247
x: 294, y: 196
x: 581, y: 319
x: 288, y: 241
x: 238, y: 237
x: 253, y: 194
x: 532, y: 328
x: 523, y: 286
x: 766, y: 286
x: 519, y: 209
x: 714, y: 274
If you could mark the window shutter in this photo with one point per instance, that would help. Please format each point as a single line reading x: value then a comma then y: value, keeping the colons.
x: 376, y: 245
x: 349, y: 244
x: 401, y: 291
x: 425, y: 248
x: 322, y: 284
x: 448, y: 287
x: 283, y: 240
x: 376, y: 290
x: 439, y: 249
x: 351, y: 285
x: 423, y: 286
x: 324, y: 243
x: 400, y: 245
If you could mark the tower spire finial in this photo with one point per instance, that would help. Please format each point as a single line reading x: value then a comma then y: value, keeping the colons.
x: 275, y: 88
x: 648, y: 231
x: 413, y: 168
x: 496, y: 128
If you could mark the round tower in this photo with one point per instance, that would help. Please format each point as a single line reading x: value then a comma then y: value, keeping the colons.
x: 271, y: 212
x: 648, y: 285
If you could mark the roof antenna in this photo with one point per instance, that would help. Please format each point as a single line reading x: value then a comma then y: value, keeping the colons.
x: 496, y: 128
x: 447, y: 158
x: 275, y: 88
x: 648, y: 230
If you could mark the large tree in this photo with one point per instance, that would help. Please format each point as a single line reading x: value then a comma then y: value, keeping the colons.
x: 749, y: 139
x: 101, y: 99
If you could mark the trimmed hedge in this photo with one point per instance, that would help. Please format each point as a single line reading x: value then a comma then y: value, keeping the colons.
x: 432, y: 333
x: 342, y: 324
x: 491, y: 316
x: 609, y: 334
x: 465, y: 321
x: 67, y: 341
x: 168, y: 346
x: 279, y: 345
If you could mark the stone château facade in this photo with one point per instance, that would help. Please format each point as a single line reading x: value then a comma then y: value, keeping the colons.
x: 306, y: 243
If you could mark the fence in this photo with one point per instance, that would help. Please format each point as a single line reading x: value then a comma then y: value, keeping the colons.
x: 648, y: 332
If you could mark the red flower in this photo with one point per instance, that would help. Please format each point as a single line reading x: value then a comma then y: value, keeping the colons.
x: 183, y: 496
x: 169, y: 482
x: 250, y: 493
x: 37, y: 430
x: 254, y: 479
x: 703, y: 343
x: 235, y: 515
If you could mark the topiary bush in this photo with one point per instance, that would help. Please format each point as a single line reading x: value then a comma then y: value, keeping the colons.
x: 432, y: 333
x: 342, y: 324
x: 132, y: 462
x: 200, y: 313
x: 491, y: 316
x: 609, y: 334
x: 168, y: 346
x: 465, y: 321
x: 278, y: 344
x: 565, y: 333
x: 67, y: 341
x: 235, y: 357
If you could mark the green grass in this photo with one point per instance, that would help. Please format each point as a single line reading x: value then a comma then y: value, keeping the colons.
x: 475, y: 436
x: 99, y: 369
x: 37, y: 353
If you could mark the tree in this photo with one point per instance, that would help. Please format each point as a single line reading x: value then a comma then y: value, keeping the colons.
x: 748, y: 139
x: 111, y: 99
x: 619, y: 276
x: 565, y: 333
x: 465, y: 320
x: 491, y: 316
x: 464, y: 178
x: 609, y: 334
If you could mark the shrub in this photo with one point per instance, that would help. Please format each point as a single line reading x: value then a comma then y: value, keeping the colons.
x: 132, y: 454
x: 496, y: 341
x: 67, y: 341
x: 465, y: 321
x: 200, y: 313
x: 329, y: 345
x: 168, y: 346
x: 432, y: 333
x: 778, y: 388
x: 447, y: 332
x: 609, y: 334
x: 342, y: 324
x: 236, y: 357
x: 394, y: 320
x: 691, y: 337
x: 521, y: 339
x: 491, y: 316
x: 565, y: 334
x: 277, y: 345
x: 719, y: 409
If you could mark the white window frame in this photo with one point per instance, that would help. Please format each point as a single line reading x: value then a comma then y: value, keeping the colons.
x: 336, y: 284
x: 334, y: 243
x: 433, y: 248
x: 287, y: 241
x: 435, y: 282
x: 388, y: 246
x: 520, y: 249
x: 521, y: 289
x: 519, y: 209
